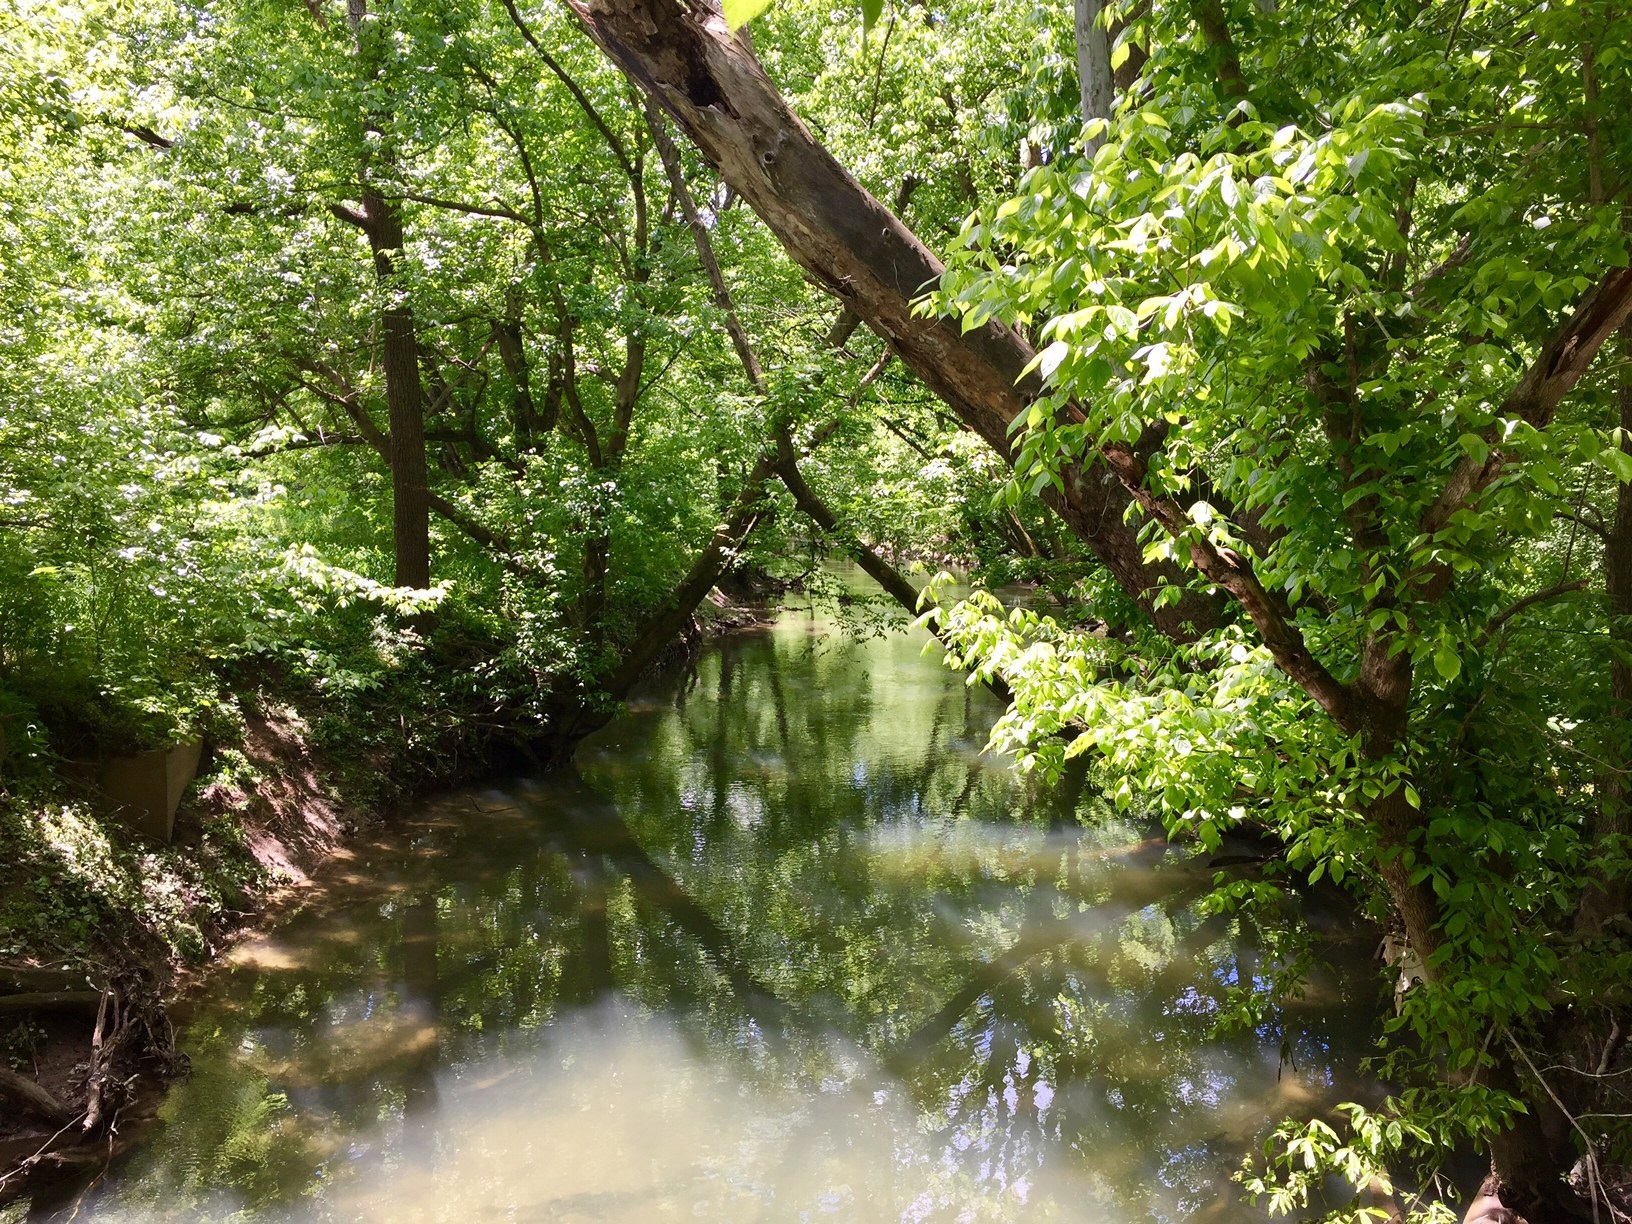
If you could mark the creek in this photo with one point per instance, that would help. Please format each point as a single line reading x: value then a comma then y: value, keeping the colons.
x: 786, y: 945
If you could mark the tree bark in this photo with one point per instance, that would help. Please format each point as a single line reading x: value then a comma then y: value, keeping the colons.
x: 381, y: 223
x: 28, y: 1095
x: 1094, y: 68
x: 686, y: 59
x: 50, y: 1001
x: 1607, y: 892
x: 405, y: 406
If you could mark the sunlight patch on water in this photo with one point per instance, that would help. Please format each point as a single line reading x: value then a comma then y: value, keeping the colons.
x: 621, y: 1118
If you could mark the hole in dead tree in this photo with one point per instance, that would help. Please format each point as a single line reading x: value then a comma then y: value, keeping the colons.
x: 701, y: 88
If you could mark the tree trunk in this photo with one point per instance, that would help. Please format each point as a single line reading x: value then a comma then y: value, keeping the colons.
x: 748, y: 512
x: 29, y: 1096
x: 525, y: 420
x: 1607, y: 894
x: 85, y: 1001
x: 27, y: 977
x: 404, y: 397
x: 1094, y: 68
x: 1528, y: 1165
x: 715, y: 89
x: 404, y: 400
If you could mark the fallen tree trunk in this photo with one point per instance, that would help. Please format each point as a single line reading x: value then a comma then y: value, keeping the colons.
x: 51, y: 1000
x: 28, y: 978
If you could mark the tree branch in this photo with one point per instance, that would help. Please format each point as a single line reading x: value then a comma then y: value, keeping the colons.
x: 1460, y: 254
x: 147, y: 135
x: 498, y: 211
x: 815, y: 509
x: 345, y: 396
x: 1564, y: 358
x: 1233, y: 573
x: 588, y: 107
x: 747, y: 512
x: 574, y: 405
x: 670, y: 157
x: 690, y: 64
x: 535, y: 193
x: 1529, y: 601
x: 349, y: 215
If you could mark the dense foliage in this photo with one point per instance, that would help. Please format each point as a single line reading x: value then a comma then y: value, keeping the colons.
x: 208, y: 507
x: 401, y: 358
x: 1324, y: 281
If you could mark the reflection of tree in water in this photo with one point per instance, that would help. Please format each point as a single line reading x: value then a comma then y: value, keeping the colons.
x: 331, y: 1033
x: 824, y: 880
x: 1037, y: 992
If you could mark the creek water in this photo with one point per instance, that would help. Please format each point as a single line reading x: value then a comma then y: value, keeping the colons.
x: 787, y: 945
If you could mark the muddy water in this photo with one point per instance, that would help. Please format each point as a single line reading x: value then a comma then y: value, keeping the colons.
x: 787, y: 946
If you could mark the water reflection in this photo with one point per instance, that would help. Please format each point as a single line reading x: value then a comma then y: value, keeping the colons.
x: 788, y: 946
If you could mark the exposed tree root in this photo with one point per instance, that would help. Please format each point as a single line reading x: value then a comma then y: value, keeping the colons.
x: 131, y: 1050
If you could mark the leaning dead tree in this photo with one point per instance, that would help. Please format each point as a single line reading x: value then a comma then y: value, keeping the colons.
x: 687, y: 61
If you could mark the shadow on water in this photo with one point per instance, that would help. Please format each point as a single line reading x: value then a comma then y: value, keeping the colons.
x: 787, y: 946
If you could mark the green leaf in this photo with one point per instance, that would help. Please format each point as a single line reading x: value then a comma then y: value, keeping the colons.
x: 1446, y: 662
x: 1050, y: 358
x: 871, y: 11
x: 1617, y: 462
x: 739, y: 13
x: 1123, y: 319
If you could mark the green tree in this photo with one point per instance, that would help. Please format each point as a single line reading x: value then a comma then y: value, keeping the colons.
x: 1320, y: 326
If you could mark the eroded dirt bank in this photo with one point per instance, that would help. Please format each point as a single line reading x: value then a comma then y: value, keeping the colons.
x: 100, y: 927
x: 86, y: 1042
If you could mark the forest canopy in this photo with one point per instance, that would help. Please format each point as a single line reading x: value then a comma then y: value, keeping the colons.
x: 460, y: 350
